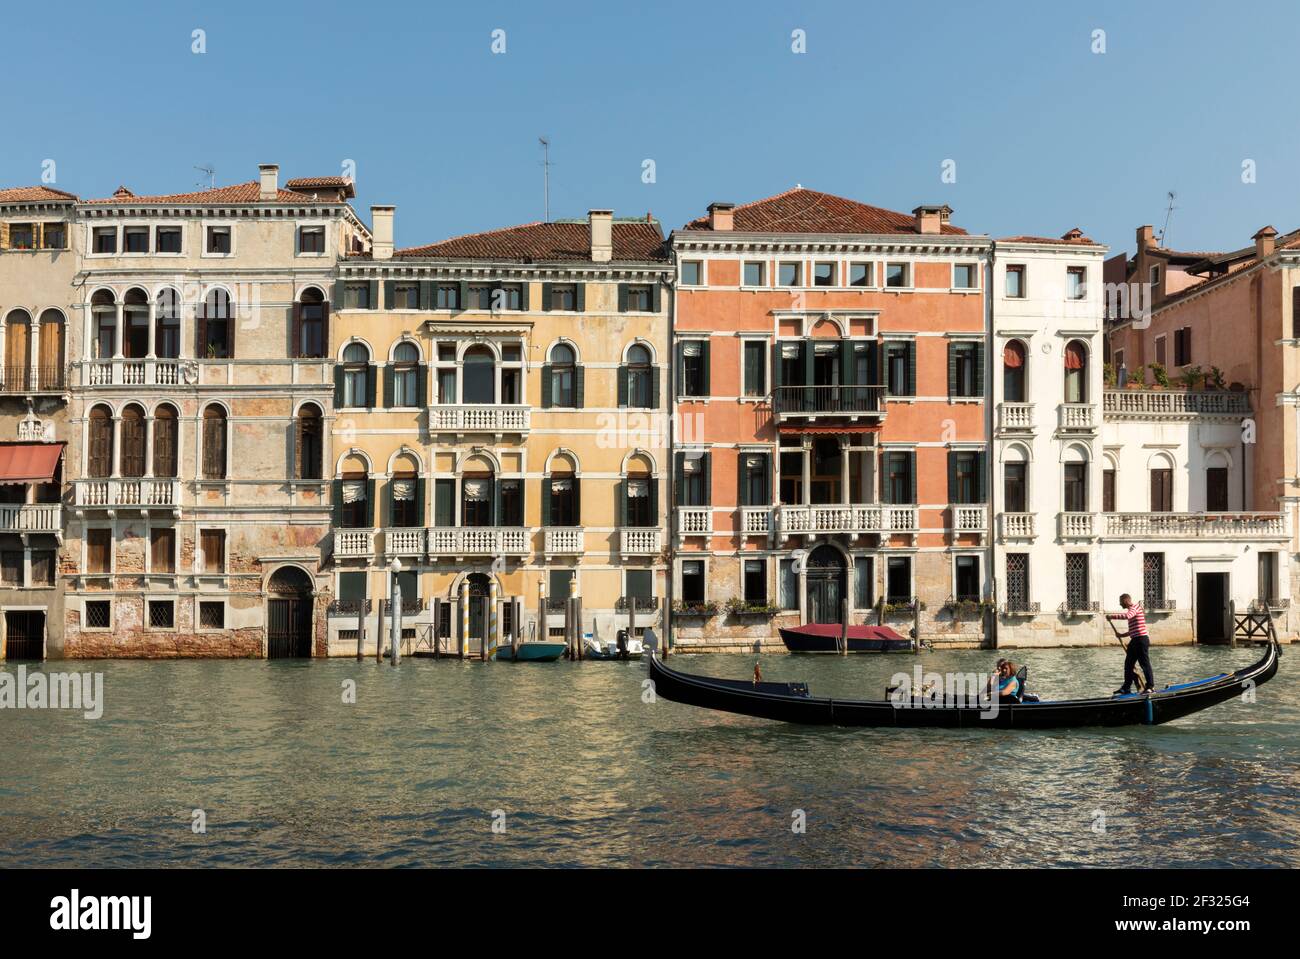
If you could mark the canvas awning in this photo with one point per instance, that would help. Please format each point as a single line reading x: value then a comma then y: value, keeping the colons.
x: 29, y: 462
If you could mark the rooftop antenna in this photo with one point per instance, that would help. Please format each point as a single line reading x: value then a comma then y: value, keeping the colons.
x: 210, y: 172
x: 1169, y: 213
x: 546, y: 178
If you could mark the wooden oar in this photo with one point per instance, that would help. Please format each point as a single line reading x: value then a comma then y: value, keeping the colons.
x: 1137, y: 676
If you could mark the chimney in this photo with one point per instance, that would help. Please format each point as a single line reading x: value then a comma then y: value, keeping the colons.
x: 270, y: 176
x: 1265, y: 240
x: 602, y: 235
x: 381, y: 229
x: 930, y: 219
x: 722, y: 216
x: 1145, y: 237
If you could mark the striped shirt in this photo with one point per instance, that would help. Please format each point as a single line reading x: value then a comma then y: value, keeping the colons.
x: 1137, y: 620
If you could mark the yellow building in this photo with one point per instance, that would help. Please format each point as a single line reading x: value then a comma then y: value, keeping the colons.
x: 500, y: 430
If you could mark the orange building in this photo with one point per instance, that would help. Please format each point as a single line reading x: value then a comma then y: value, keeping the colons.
x: 830, y: 434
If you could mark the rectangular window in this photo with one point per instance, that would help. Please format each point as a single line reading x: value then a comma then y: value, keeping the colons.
x: 964, y: 374
x: 824, y: 273
x: 511, y: 493
x: 11, y: 567
x: 212, y: 543
x: 43, y: 569
x: 1183, y: 346
x: 212, y: 615
x: 1216, y: 489
x: 447, y: 296
x: 965, y: 276
x: 788, y: 274
x: 559, y: 585
x: 1018, y: 582
x: 104, y: 239
x: 168, y: 239
x: 789, y: 585
x: 1013, y: 487
x: 1153, y: 580
x: 693, y: 473
x: 311, y: 239
x: 1076, y: 581
x: 162, y: 614
x: 135, y: 239
x: 1268, y: 578
x: 640, y: 298
x: 966, y: 579
x: 1108, y: 491
x: 564, y: 296
x: 356, y: 296
x: 692, y: 273
x: 1162, y: 491
x: 693, y: 581
x: 756, y: 582
x: 1076, y: 282
x: 864, y: 582
x: 218, y: 239
x: 753, y: 479
x: 899, y: 479
x: 639, y: 509
x: 898, y: 580
x: 99, y: 614
x: 756, y: 272
x: 22, y: 236
x: 639, y: 583
x: 1015, y: 282
x: 507, y: 296
x: 900, y: 375
x: 755, y: 367
x: 898, y: 275
x: 54, y: 237
x: 966, y: 485
x: 406, y: 296
x: 859, y: 274
x: 1076, y: 488
x: 162, y: 550
x: 694, y: 355
x: 99, y: 550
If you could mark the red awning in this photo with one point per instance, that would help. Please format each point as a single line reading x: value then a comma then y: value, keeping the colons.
x: 828, y: 430
x: 1013, y: 355
x: 29, y: 462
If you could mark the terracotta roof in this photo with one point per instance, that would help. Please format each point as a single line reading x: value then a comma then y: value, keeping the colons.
x: 32, y: 194
x: 306, y: 184
x: 558, y: 240
x: 1073, y: 237
x: 239, y: 193
x: 1289, y: 241
x: 808, y: 211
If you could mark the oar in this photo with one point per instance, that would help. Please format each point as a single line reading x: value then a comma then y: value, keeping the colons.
x: 1137, y: 676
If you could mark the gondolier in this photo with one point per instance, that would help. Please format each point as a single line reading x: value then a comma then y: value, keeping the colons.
x: 1138, y: 651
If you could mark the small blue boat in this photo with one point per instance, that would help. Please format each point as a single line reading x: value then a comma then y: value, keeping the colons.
x: 543, y: 651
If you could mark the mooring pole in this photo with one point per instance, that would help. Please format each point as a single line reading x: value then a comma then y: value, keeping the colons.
x: 844, y: 626
x: 916, y: 620
x: 361, y: 628
x: 396, y: 650
x: 579, y: 638
x: 379, y: 629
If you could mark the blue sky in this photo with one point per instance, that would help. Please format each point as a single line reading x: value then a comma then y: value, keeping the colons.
x: 1045, y: 134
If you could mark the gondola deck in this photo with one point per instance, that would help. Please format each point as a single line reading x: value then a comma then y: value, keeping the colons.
x: 794, y: 703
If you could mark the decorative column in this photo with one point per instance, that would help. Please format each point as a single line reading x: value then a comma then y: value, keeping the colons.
x: 117, y: 329
x: 34, y: 349
x: 845, y: 498
x: 494, y: 620
x: 3, y: 338
x: 148, y: 447
x: 114, y: 471
x: 464, y: 614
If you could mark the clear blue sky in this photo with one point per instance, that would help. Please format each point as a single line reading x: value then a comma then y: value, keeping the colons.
x: 1046, y: 134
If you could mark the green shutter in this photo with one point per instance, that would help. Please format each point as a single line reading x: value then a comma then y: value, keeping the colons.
x: 579, y: 389
x: 704, y: 363
x: 546, y: 387
x: 370, y: 503
x: 546, y: 296
x: 656, y: 399
x: 419, y: 501
x: 622, y: 297
x: 374, y: 294
x: 577, y: 501
x: 462, y: 295
x: 338, y: 386
x: 654, y: 297
x: 654, y: 501
x: 952, y: 476
x: 388, y: 503
x: 336, y: 504
x: 979, y: 369
x: 911, y: 472
x: 742, y: 478
x: 388, y: 385
x: 372, y: 383
x: 390, y: 294
x: 708, y: 478
x: 338, y: 294
x: 911, y: 368
x: 444, y: 511
x: 620, y: 502
x: 846, y: 362
x: 622, y: 385
x: 422, y: 385
x: 581, y: 301
x: 426, y: 294
x: 679, y: 474
x: 524, y: 287
x: 952, y: 369
x: 981, y: 480
x: 546, y: 501
x: 767, y: 480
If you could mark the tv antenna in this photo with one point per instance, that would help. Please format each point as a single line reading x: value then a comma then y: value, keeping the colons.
x: 546, y: 178
x: 1169, y: 213
x: 210, y: 172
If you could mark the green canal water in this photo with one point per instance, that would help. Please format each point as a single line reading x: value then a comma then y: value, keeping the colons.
x: 583, y: 772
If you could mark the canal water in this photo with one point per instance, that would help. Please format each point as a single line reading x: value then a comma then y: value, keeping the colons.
x: 573, y: 768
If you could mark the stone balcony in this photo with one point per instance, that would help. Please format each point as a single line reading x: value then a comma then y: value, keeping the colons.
x: 850, y: 519
x: 1233, y: 526
x: 1174, y: 404
x: 32, y: 518
x: 404, y: 541
x: 354, y: 543
x: 968, y: 518
x: 1076, y: 525
x: 141, y: 493
x: 457, y: 541
x: 1015, y: 417
x: 1017, y: 526
x: 563, y: 541
x: 1077, y: 418
x: 136, y: 372
x: 640, y: 540
x: 694, y: 521
x: 480, y: 418
x: 756, y: 520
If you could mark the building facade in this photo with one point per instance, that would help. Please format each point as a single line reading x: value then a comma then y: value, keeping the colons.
x: 501, y: 433
x: 831, y: 402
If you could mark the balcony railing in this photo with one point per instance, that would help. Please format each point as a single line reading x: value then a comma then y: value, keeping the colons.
x: 829, y: 400
x: 354, y: 542
x: 564, y: 540
x: 32, y: 379
x: 1017, y: 607
x: 349, y: 607
x: 31, y: 518
x: 479, y: 418
x: 131, y: 372
x: 970, y: 519
x: 1079, y: 607
x: 694, y: 520
x: 792, y: 520
x: 477, y: 541
x: 1174, y: 404
x: 756, y: 520
x: 404, y: 541
x: 639, y: 541
x: 1197, y: 525
x: 1077, y: 525
x: 142, y: 493
x: 1078, y: 416
x: 1015, y: 417
x: 1016, y: 525
x: 644, y: 604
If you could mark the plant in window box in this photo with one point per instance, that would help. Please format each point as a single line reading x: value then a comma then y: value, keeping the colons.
x: 739, y: 606
x: 1159, y: 376
x: 1193, y: 378
x: 1215, y: 379
x: 706, y: 607
x: 901, y: 607
x: 1137, y: 379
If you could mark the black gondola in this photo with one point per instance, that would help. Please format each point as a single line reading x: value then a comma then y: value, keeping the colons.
x: 793, y: 703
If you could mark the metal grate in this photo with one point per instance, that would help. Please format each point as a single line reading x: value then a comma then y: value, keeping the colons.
x: 98, y: 614
x: 1153, y: 580
x: 212, y: 615
x: 1076, y: 581
x: 1017, y: 581
x: 162, y: 614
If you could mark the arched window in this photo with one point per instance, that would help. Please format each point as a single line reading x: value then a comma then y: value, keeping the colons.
x: 1216, y: 482
x: 1161, y: 470
x: 1013, y: 372
x: 311, y: 325
x: 561, y: 495
x: 135, y: 324
x: 216, y: 327
x: 405, y: 494
x: 638, y: 498
x: 167, y: 332
x: 104, y: 310
x: 637, y: 388
x: 1015, y: 479
x: 18, y: 344
x: 1076, y: 372
x: 477, y: 496
x: 354, y: 494
x: 165, y: 441
x: 560, y: 378
x: 99, y: 442
x: 356, y: 376
x: 309, y: 442
x: 52, y: 344
x: 479, y: 384
x: 214, y: 442
x: 133, y: 441
x: 404, y: 372
x: 1075, y: 479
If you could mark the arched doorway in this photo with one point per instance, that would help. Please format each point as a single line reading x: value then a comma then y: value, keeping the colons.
x: 824, y: 576
x: 289, y: 614
x: 480, y: 590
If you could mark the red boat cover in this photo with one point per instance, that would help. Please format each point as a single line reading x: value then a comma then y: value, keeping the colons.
x: 855, y: 632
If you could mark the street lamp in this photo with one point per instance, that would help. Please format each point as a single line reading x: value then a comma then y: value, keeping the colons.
x: 395, y: 607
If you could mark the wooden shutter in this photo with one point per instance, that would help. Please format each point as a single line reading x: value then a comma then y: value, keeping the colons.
x: 372, y: 384
x: 133, y: 446
x: 370, y: 503
x: 911, y: 368
x: 336, y: 502
x: 952, y: 369
x: 577, y: 501
x: 388, y: 385
x: 295, y: 331
x: 339, y: 293
x: 981, y: 477
x: 374, y: 294
x: 546, y: 502
x: 655, y: 399
x: 910, y: 459
x: 620, y: 502
x: 214, y: 445
x: 462, y: 295
x: 1295, y: 313
x: 390, y: 295
x: 979, y: 369
x: 231, y: 322
x: 704, y: 365
x: 654, y: 296
x: 524, y: 289
x: 622, y: 385
x: 100, y: 454
x: 622, y: 297
x: 422, y: 385
x: 201, y: 330
x: 546, y: 387
x: 324, y: 329
x: 579, y: 386
x: 654, y: 501
x: 164, y: 446
x: 708, y: 478
x: 162, y: 553
x: 546, y: 296
x: 580, y: 297
x: 952, y: 476
x: 339, y: 374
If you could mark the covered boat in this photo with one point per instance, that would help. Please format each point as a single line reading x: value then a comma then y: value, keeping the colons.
x: 794, y: 702
x: 825, y: 638
x: 541, y: 651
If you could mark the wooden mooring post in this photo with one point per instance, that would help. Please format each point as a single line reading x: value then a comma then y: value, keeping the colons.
x: 916, y: 620
x: 844, y: 626
x: 361, y: 628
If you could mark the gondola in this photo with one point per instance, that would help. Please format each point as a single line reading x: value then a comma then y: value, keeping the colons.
x: 794, y: 702
x: 825, y: 638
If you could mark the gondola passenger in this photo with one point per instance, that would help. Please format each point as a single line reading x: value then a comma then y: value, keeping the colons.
x: 1010, y: 688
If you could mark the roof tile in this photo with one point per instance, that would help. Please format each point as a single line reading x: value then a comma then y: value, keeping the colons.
x: 637, y: 240
x: 809, y: 211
